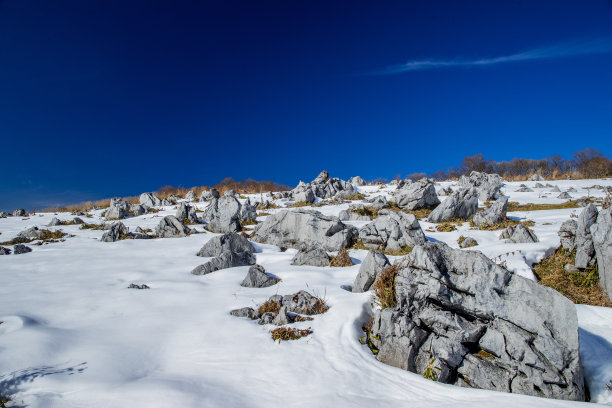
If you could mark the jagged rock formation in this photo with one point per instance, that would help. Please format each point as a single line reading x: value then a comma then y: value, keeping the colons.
x: 461, y: 204
x: 392, y: 231
x: 518, y: 234
x: 495, y: 214
x: 420, y: 194
x: 371, y: 266
x: 487, y: 185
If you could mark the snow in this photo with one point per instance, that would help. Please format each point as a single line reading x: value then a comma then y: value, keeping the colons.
x: 75, y: 336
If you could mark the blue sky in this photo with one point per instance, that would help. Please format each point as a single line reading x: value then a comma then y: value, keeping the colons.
x: 110, y: 98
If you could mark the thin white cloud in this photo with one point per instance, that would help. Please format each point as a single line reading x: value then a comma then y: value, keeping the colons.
x: 564, y: 50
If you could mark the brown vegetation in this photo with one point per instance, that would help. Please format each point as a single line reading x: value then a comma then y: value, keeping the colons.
x: 579, y: 287
x: 342, y: 259
x: 384, y: 286
x: 515, y: 206
x: 289, y: 333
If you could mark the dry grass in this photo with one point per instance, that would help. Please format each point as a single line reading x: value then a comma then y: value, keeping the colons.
x: 289, y: 333
x: 342, y: 259
x: 420, y: 213
x: 515, y: 206
x: 47, y: 236
x: 357, y: 196
x: 384, y: 286
x: 366, y: 211
x: 263, y: 214
x: 300, y: 204
x: 268, y: 206
x: 405, y: 250
x: 579, y: 287
x: 269, y: 306
x: 367, y: 338
x: 95, y: 227
x: 446, y: 227
x: 248, y: 222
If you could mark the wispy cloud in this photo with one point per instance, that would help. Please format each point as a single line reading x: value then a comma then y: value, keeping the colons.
x: 569, y: 49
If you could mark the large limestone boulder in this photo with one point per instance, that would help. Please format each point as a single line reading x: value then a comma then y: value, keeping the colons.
x: 171, y: 227
x: 461, y: 319
x: 305, y: 228
x: 150, y: 200
x: 118, y: 209
x: 567, y: 234
x: 311, y: 257
x: 357, y: 181
x: 371, y: 266
x: 392, y: 231
x: 223, y: 214
x: 185, y: 212
x: 352, y: 213
x: 378, y: 202
x: 248, y: 211
x: 116, y: 232
x: 258, y: 278
x: 208, y: 195
x: 495, y: 214
x: 303, y: 193
x: 585, y: 251
x: 601, y: 233
x: 487, y: 185
x: 518, y: 234
x: 190, y: 196
x: 420, y: 194
x: 461, y: 204
x: 228, y: 251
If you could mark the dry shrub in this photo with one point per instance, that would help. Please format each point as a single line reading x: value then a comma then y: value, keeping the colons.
x: 579, y: 287
x: 514, y: 206
x: 301, y: 204
x: 446, y: 227
x: 342, y: 259
x: 47, y: 236
x: 269, y: 306
x: 289, y: 333
x: 384, y: 286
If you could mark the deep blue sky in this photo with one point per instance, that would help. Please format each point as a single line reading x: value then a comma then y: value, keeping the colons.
x: 109, y: 98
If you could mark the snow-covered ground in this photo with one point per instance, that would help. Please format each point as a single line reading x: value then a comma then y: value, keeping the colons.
x: 75, y: 336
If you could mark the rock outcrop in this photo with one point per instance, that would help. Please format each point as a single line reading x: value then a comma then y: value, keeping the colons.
x: 305, y: 228
x: 567, y: 234
x: 208, y: 195
x: 258, y: 278
x: 150, y: 200
x: 585, y: 250
x: 171, y: 227
x: 371, y: 266
x: 228, y: 251
x: 118, y: 209
x: 357, y: 181
x: 392, y: 231
x: 21, y: 249
x: 461, y: 204
x: 116, y: 232
x: 187, y: 213
x: 223, y: 214
x: 518, y: 234
x: 311, y: 257
x: 461, y: 319
x: 323, y: 187
x: 495, y: 214
x: 487, y: 185
x: 601, y: 233
x: 420, y: 194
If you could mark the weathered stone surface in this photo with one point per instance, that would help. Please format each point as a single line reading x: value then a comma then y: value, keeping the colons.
x: 468, y: 242
x: 351, y: 215
x: 30, y: 234
x: 357, y: 181
x: 305, y: 228
x: 567, y: 234
x: 21, y: 249
x: 282, y: 318
x: 539, y: 185
x: 555, y: 189
x: 524, y: 189
x: 303, y: 193
x: 585, y: 251
x: 54, y: 222
x: 323, y: 186
x: 311, y: 257
x: 5, y: 251
x: 461, y: 204
x: 209, y: 194
x: 564, y: 196
x: 190, y: 196
x: 373, y: 263
x: 378, y: 202
x: 150, y: 200
x: 137, y: 209
x: 495, y: 214
x: 601, y: 233
x: 115, y: 233
x: 248, y: 211
x: 420, y: 194
x: 571, y: 190
x: 185, y: 212
x: 258, y: 278
x: 171, y: 227
x: 245, y: 312
x: 117, y: 210
x: 392, y: 231
x: 461, y: 319
x: 139, y: 287
x: 231, y: 242
x: 223, y: 214
x: 536, y: 177
x: 518, y: 234
x: 487, y: 185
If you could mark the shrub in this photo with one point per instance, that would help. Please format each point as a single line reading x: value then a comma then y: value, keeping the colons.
x: 384, y: 286
x: 269, y: 306
x: 289, y: 333
x: 446, y: 227
x: 342, y: 259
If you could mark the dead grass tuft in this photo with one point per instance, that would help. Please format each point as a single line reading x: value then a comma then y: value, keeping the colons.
x: 446, y: 227
x: 289, y: 333
x: 384, y: 286
x: 248, y: 222
x: 579, y: 287
x: 300, y: 204
x: 342, y: 259
x: 269, y: 306
x: 515, y: 206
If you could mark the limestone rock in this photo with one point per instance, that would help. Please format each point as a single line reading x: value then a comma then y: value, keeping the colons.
x: 585, y: 251
x: 373, y: 263
x: 171, y: 227
x: 420, y: 194
x: 115, y: 233
x: 311, y: 257
x: 223, y: 214
x: 487, y: 185
x: 495, y: 214
x: 185, y: 212
x: 392, y: 231
x: 518, y: 234
x: 357, y: 181
x: 258, y: 278
x: 567, y: 234
x: 150, y: 200
x: 461, y: 204
x: 601, y: 233
x: 21, y: 249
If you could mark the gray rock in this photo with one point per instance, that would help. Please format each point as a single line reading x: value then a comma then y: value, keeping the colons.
x: 585, y: 251
x: 245, y: 312
x: 350, y: 215
x: 461, y: 204
x: 54, y: 222
x: 311, y: 257
x: 378, y: 202
x: 77, y: 221
x: 30, y: 234
x: 190, y: 196
x: 524, y: 190
x: 21, y: 249
x: 150, y: 200
x: 230, y: 193
x: 223, y: 214
x: 185, y: 212
x: 555, y: 189
x: 117, y: 210
x: 487, y: 185
x: 228, y: 251
x: 539, y: 185
x: 5, y: 251
x: 137, y: 286
x: 468, y: 242
x: 267, y: 318
x: 420, y: 194
x: 571, y: 190
x: 461, y: 319
x: 303, y: 193
x: 171, y: 227
x: 301, y: 302
x: 601, y: 233
x: 564, y: 196
x: 20, y: 213
x: 116, y: 232
x: 325, y: 187
x: 137, y: 209
x: 209, y: 194
x: 357, y: 181
x: 258, y: 278
x: 518, y: 234
x: 567, y: 234
x: 167, y: 202
x: 445, y: 191
x: 536, y: 177
x: 293, y: 229
x: 570, y: 268
x: 248, y: 212
x: 282, y: 318
x: 224, y: 261
x: 373, y: 263
x: 392, y: 231
x: 495, y: 214
x: 344, y: 195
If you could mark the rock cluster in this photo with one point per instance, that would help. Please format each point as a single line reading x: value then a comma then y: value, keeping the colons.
x: 171, y: 227
x: 392, y: 231
x: 323, y: 187
x: 280, y: 310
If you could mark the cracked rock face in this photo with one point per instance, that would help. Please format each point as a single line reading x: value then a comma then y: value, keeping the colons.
x: 585, y: 251
x: 518, y: 234
x: 371, y: 266
x: 420, y: 194
x: 567, y: 234
x: 461, y: 204
x: 323, y: 186
x: 486, y: 185
x: 461, y: 319
x: 150, y: 200
x: 171, y: 227
x: 392, y: 231
x: 223, y: 214
x: 495, y: 214
x: 305, y: 229
x: 186, y: 212
x: 601, y: 233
